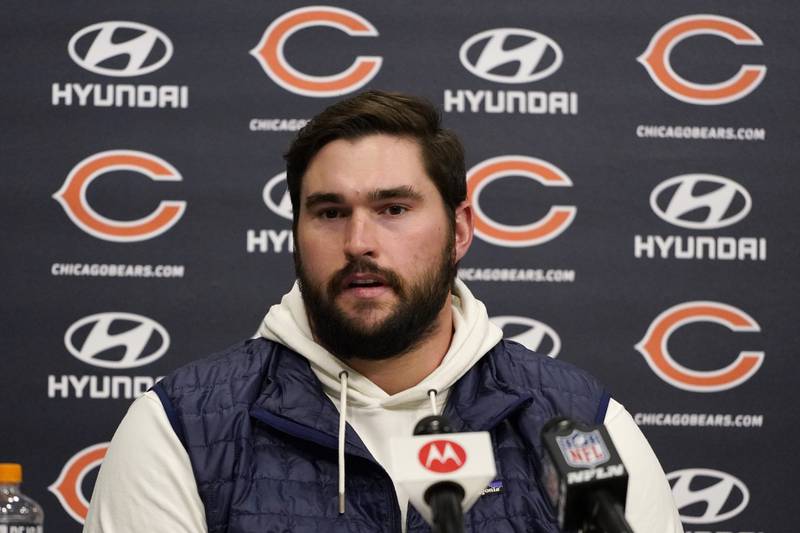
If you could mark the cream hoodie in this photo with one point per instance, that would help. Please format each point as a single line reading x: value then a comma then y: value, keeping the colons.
x: 146, y: 481
x: 375, y: 415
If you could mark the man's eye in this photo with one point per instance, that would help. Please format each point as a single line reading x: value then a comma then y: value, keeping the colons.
x: 395, y: 210
x: 330, y: 213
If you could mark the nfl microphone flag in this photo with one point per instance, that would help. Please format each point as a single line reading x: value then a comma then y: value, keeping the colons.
x: 584, y: 476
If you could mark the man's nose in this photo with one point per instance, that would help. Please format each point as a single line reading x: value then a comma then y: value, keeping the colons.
x: 360, y: 239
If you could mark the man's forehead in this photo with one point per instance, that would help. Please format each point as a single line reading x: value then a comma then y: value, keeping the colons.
x: 368, y: 166
x: 375, y: 146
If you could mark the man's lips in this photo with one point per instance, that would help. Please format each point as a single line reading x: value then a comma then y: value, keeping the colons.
x: 364, y: 280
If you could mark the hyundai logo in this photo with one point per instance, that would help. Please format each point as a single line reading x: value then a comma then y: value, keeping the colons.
x: 276, y: 196
x: 116, y: 340
x: 120, y: 48
x: 700, y: 201
x: 723, y: 495
x: 536, y: 336
x: 497, y: 55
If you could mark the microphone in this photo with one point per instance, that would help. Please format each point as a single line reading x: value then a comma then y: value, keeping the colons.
x: 584, y: 477
x: 442, y: 472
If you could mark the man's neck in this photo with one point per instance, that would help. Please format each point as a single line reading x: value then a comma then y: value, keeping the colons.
x: 402, y: 372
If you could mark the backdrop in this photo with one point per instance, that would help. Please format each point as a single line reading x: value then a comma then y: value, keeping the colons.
x: 633, y: 169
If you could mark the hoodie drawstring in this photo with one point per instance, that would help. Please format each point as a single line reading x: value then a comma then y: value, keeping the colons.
x: 342, y: 422
x: 432, y: 396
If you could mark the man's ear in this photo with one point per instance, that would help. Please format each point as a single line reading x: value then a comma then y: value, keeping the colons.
x: 464, y: 229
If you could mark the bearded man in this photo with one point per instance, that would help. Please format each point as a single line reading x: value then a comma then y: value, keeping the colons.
x: 247, y: 440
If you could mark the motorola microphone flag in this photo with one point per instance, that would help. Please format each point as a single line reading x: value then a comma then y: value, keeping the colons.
x: 421, y: 461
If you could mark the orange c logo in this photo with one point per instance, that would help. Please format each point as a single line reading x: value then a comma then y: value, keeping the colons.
x: 557, y: 219
x: 72, y: 196
x: 269, y: 52
x: 654, y: 347
x: 67, y: 487
x: 656, y: 59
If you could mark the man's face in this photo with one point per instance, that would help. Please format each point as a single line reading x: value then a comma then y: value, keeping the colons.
x: 375, y: 249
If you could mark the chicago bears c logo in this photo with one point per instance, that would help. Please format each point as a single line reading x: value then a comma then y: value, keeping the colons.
x: 72, y: 196
x: 269, y: 52
x: 558, y: 218
x: 656, y: 59
x: 67, y: 487
x: 654, y: 347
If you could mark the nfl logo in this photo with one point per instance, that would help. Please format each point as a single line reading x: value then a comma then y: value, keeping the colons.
x: 583, y: 449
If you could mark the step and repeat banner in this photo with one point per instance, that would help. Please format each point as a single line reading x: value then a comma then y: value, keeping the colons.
x: 633, y: 168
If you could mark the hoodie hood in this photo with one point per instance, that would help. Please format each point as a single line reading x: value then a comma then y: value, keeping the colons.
x: 474, y: 335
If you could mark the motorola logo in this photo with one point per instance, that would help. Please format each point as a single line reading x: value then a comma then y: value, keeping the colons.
x: 276, y: 196
x: 535, y: 336
x: 705, y: 496
x: 511, y: 55
x: 442, y: 456
x: 700, y: 201
x: 120, y: 48
x: 117, y: 340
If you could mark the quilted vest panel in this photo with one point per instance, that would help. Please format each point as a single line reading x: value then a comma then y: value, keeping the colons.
x: 261, y: 437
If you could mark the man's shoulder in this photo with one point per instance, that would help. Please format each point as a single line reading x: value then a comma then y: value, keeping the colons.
x: 522, y: 369
x: 220, y: 386
x: 241, y: 362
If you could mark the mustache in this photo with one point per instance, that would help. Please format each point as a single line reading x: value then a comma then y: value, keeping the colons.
x: 364, y: 265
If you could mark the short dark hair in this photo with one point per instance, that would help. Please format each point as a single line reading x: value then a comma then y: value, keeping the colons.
x: 375, y: 112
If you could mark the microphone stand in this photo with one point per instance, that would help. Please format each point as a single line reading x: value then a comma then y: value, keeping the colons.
x: 606, y: 514
x: 444, y: 497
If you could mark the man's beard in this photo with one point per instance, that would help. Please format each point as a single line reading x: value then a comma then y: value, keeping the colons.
x: 412, y: 321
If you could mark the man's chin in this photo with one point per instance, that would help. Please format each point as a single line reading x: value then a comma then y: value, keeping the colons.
x: 357, y: 306
x: 367, y: 317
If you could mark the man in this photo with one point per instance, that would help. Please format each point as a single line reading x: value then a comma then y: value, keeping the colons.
x: 246, y: 441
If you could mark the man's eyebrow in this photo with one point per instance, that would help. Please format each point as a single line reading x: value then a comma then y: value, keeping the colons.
x: 405, y: 191
x: 323, y: 198
x: 377, y: 195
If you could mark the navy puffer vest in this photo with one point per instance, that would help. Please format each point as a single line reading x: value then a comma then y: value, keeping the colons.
x: 262, y: 437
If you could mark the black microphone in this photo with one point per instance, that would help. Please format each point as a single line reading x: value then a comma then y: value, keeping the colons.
x: 584, y: 477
